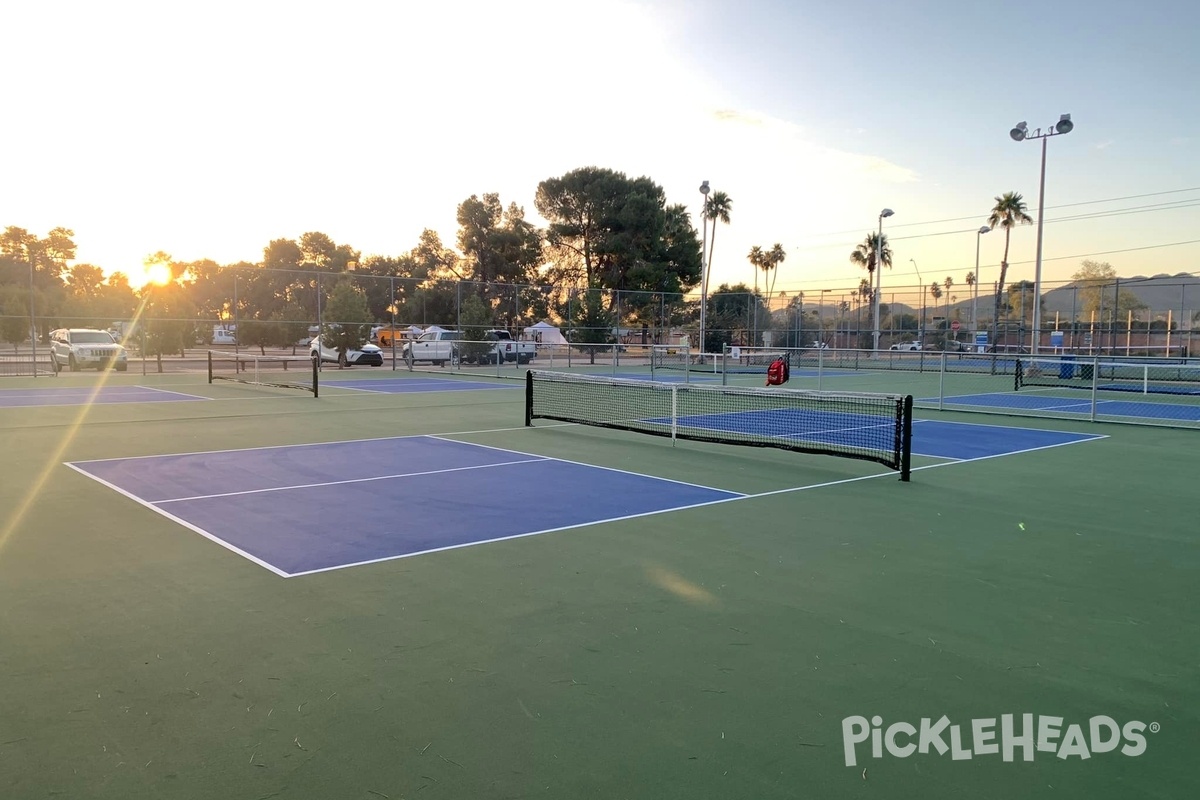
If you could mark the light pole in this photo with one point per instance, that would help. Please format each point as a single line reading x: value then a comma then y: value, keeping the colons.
x: 33, y: 313
x: 1019, y: 134
x: 887, y: 212
x: 975, y: 298
x: 703, y: 261
x: 921, y: 282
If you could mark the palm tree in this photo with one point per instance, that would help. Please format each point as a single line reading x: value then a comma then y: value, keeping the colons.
x: 948, y: 283
x: 864, y: 254
x: 716, y: 209
x: 935, y: 291
x: 755, y: 257
x: 1009, y: 212
x: 774, y: 257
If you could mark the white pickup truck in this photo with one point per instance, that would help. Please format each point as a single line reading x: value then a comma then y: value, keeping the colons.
x: 507, y: 349
x: 438, y: 347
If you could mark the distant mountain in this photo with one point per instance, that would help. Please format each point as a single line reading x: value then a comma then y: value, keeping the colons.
x: 1159, y: 293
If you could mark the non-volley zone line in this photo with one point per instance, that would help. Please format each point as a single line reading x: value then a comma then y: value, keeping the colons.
x: 416, y: 385
x: 87, y: 395
x: 403, y: 497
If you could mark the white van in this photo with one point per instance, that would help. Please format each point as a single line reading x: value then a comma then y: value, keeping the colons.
x: 224, y: 337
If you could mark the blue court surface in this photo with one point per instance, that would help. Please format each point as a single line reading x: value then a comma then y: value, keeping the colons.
x: 88, y: 395
x: 309, y: 508
x: 1081, y: 404
x: 959, y: 441
x: 417, y: 385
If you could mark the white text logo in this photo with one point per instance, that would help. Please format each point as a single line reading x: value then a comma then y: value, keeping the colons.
x: 1025, y: 734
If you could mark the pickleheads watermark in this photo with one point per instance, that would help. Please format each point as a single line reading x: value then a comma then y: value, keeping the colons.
x: 1027, y: 734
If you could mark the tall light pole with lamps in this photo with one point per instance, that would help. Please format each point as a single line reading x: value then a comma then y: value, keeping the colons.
x: 1019, y: 134
x: 33, y: 313
x: 975, y: 298
x: 921, y: 327
x: 887, y: 212
x: 704, y: 189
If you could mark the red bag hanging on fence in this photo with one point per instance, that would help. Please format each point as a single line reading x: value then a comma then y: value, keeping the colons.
x: 777, y: 372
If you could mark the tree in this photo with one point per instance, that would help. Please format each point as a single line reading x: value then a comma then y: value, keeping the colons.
x: 1020, y: 299
x: 619, y: 232
x: 1009, y: 212
x: 499, y: 245
x: 14, y: 315
x: 948, y: 283
x: 774, y: 258
x: 593, y: 325
x: 1092, y: 278
x: 475, y: 319
x: 350, y: 319
x: 717, y: 208
x: 167, y: 316
x: 864, y: 254
x: 755, y: 257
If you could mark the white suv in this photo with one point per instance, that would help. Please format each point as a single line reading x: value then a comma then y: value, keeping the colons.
x: 906, y: 346
x: 77, y: 348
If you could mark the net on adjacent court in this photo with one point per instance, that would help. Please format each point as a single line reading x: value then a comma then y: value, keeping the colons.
x: 281, y: 372
x: 874, y: 427
x: 1141, y: 377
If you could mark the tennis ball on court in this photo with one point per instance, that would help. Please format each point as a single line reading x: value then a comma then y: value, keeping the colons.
x: 1021, y: 525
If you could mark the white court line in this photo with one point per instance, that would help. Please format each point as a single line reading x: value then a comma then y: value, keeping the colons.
x: 665, y: 510
x: 524, y: 535
x: 441, y: 436
x: 920, y: 469
x: 734, y: 495
x: 342, y: 483
x: 183, y: 522
x: 172, y: 391
x: 321, y: 444
x: 1012, y: 427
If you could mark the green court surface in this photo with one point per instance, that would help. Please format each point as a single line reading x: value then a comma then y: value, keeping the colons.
x: 707, y: 652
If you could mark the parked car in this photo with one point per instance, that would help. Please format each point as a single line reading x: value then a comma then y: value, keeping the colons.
x: 223, y: 337
x: 906, y: 346
x: 366, y: 355
x: 436, y: 347
x: 86, y: 348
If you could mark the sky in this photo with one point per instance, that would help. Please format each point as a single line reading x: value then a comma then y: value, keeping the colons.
x: 206, y: 130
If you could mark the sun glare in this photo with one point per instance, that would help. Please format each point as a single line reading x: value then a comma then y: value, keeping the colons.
x: 158, y: 274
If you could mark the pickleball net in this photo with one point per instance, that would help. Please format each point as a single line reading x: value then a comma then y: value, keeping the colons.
x: 872, y: 427
x: 1177, y: 377
x: 280, y: 372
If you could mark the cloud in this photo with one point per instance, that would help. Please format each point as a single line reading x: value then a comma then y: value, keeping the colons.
x: 1107, y: 143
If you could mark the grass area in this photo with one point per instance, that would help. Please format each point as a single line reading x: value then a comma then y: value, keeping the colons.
x: 711, y: 652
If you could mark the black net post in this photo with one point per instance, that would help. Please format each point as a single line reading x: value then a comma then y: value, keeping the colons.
x: 316, y: 368
x: 906, y: 440
x: 529, y: 398
x: 210, y: 378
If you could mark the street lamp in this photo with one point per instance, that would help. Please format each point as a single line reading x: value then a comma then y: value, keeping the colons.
x: 1019, y: 134
x: 975, y: 298
x: 33, y: 313
x: 887, y: 212
x: 703, y: 261
x: 921, y: 283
